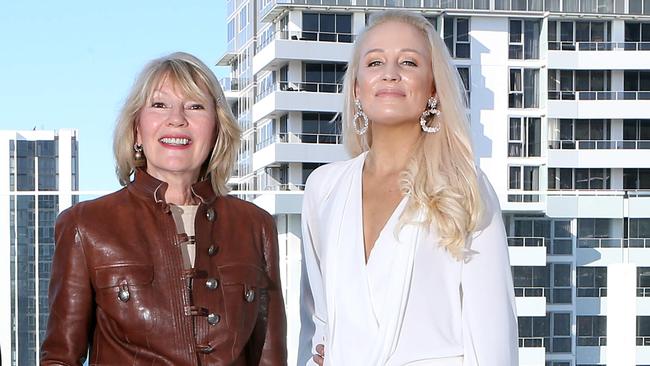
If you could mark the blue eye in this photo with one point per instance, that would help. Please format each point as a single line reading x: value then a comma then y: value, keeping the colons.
x: 196, y: 106
x: 374, y: 63
x: 409, y: 63
x: 158, y: 105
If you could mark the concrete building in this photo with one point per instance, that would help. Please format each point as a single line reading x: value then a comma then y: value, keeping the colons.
x: 39, y: 174
x: 559, y: 99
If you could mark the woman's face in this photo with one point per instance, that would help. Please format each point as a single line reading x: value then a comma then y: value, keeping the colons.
x: 176, y: 132
x: 395, y: 78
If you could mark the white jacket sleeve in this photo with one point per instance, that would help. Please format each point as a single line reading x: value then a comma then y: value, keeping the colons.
x: 488, y: 302
x: 313, y: 309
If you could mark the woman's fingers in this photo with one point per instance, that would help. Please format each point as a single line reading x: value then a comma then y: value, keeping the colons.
x: 320, y: 357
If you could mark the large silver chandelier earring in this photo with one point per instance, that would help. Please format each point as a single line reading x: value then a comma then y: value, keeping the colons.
x: 359, y: 114
x: 137, y: 148
x: 431, y: 110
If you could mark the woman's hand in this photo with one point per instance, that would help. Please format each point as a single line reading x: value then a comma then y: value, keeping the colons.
x: 319, y: 357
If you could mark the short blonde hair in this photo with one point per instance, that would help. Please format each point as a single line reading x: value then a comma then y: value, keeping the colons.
x: 193, y: 78
x: 441, y: 178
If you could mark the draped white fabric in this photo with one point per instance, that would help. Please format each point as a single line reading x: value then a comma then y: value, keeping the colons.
x: 404, y: 307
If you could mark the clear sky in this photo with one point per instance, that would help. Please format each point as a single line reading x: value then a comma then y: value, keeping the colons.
x: 70, y: 64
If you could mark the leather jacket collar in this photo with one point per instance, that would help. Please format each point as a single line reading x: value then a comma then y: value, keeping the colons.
x: 150, y: 188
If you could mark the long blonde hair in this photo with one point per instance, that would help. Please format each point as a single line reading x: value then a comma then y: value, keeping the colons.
x: 193, y: 78
x: 441, y: 178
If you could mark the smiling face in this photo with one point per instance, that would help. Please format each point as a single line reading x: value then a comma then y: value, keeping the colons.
x: 177, y: 132
x: 395, y: 76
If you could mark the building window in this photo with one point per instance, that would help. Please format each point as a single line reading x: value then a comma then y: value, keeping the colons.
x: 534, y: 331
x: 526, y: 5
x: 643, y: 282
x: 560, y: 281
x: 638, y: 7
x: 326, y: 27
x: 598, y: 233
x: 637, y: 36
x: 524, y: 137
x: 456, y: 36
x: 243, y: 17
x: 587, y: 35
x: 591, y: 330
x: 563, y: 84
x: 524, y: 91
x: 530, y: 281
x: 321, y: 128
x: 562, y: 242
x: 636, y: 129
x: 524, y: 178
x: 323, y: 77
x: 560, y: 333
x: 529, y: 231
x: 643, y: 330
x: 636, y: 85
x: 636, y: 178
x: 463, y: 71
x: 581, y: 134
x: 592, y: 282
x: 524, y: 39
x: 583, y: 178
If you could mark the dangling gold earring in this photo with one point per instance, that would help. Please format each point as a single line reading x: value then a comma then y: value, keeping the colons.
x: 138, y: 152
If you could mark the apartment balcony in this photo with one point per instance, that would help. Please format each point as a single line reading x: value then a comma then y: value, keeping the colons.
x: 298, y: 97
x: 532, y: 356
x: 643, y: 304
x: 530, y: 301
x: 300, y: 148
x: 585, y: 203
x: 527, y: 251
x: 605, y: 251
x: 302, y: 46
x: 279, y: 202
x: 593, y: 354
x: 598, y: 55
x: 231, y: 88
x: 524, y: 201
x: 599, y: 153
x: 638, y: 203
x: 598, y: 104
x: 642, y: 350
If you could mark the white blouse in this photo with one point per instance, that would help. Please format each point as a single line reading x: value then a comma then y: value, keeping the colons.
x: 412, y: 302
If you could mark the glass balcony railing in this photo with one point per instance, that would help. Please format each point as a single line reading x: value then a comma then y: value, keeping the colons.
x: 598, y: 95
x: 599, y: 144
x: 229, y: 84
x: 556, y: 6
x: 301, y: 138
x: 300, y: 87
x: 525, y: 241
x: 531, y: 291
x: 306, y: 36
x: 599, y: 46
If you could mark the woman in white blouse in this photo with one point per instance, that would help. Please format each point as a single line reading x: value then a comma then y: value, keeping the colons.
x: 405, y: 256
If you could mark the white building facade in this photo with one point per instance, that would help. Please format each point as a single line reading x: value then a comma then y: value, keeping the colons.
x: 39, y: 174
x: 559, y: 96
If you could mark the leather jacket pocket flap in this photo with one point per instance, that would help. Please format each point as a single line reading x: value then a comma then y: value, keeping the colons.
x: 246, y: 274
x: 131, y: 274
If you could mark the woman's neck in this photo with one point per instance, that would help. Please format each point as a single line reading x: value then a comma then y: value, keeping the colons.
x: 392, y: 148
x: 179, y: 187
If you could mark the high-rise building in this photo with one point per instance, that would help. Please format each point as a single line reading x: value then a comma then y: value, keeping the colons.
x: 559, y: 94
x: 38, y: 174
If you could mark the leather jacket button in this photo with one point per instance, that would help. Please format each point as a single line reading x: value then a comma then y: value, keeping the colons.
x: 213, y: 318
x: 212, y: 250
x: 212, y: 283
x: 249, y: 295
x: 209, y: 214
x: 123, y: 295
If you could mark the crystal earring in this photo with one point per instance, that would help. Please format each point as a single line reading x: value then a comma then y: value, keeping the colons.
x: 138, y: 151
x: 431, y: 110
x: 360, y: 130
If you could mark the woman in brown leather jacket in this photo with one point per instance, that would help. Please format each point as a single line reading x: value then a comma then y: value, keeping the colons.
x: 169, y: 270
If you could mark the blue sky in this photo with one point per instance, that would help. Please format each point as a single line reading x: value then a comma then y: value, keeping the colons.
x: 70, y: 64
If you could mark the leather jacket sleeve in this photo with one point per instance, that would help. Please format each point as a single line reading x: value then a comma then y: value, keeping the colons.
x: 70, y: 297
x: 268, y: 341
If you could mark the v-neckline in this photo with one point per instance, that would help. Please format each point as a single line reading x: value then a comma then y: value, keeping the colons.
x: 388, y: 222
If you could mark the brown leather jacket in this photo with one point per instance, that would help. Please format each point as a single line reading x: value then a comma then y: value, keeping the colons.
x: 117, y: 276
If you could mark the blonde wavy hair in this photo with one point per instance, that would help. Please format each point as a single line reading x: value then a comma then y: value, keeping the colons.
x: 193, y: 78
x: 441, y: 177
